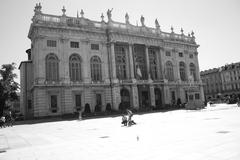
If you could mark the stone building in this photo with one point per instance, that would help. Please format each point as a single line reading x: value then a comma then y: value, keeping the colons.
x: 222, y: 81
x: 212, y: 83
x: 77, y: 62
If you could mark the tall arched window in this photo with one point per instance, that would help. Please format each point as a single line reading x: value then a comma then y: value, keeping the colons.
x: 182, y: 70
x: 169, y: 71
x: 153, y: 63
x: 75, y: 67
x: 140, y: 62
x: 121, y: 63
x: 193, y: 71
x: 52, y: 68
x: 96, y: 69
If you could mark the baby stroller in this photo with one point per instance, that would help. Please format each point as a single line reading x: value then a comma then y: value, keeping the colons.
x: 127, y: 119
x: 124, y: 120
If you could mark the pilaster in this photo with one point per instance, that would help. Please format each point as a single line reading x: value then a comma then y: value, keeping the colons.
x: 158, y: 64
x: 116, y: 97
x: 152, y: 95
x: 131, y: 62
x: 135, y: 100
x: 39, y: 72
x: 166, y: 94
x: 86, y: 67
x: 197, y: 67
x: 202, y: 93
x: 64, y: 63
x: 176, y: 68
x: 147, y: 61
x: 161, y: 63
x: 113, y: 63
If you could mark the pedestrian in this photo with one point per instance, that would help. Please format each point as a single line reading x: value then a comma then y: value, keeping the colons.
x: 2, y: 121
x: 238, y: 102
x: 179, y: 103
x: 130, y: 114
x: 124, y: 120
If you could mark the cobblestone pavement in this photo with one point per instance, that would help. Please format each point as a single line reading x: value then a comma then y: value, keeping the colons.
x: 210, y: 134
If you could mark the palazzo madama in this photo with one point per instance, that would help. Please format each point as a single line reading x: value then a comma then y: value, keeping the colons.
x: 75, y: 62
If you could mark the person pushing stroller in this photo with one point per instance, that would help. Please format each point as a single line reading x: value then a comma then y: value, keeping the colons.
x: 127, y: 119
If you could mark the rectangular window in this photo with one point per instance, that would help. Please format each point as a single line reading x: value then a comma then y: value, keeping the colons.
x: 54, y: 103
x: 168, y: 53
x: 191, y: 97
x: 94, y: 46
x: 51, y: 43
x: 197, y: 96
x: 180, y: 54
x: 98, y: 99
x: 191, y: 56
x: 74, y: 44
x: 173, y: 96
x: 78, y: 100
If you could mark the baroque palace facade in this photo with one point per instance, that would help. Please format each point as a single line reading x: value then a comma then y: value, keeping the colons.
x: 221, y: 82
x: 76, y: 62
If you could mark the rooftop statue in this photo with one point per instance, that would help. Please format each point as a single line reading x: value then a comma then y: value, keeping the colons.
x: 109, y: 14
x: 127, y: 18
x: 82, y: 13
x: 38, y: 8
x: 142, y: 19
x: 102, y: 17
x: 157, y: 24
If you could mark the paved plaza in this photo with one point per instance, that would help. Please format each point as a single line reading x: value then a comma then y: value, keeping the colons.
x: 210, y: 134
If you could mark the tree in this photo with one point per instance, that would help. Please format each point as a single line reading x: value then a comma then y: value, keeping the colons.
x: 8, y: 87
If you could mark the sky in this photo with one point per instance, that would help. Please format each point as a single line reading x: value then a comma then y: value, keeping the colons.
x: 216, y: 23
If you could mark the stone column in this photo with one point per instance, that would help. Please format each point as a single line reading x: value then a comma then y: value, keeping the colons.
x: 86, y: 67
x: 158, y: 64
x: 202, y: 93
x: 131, y: 62
x: 161, y: 63
x: 167, y: 98
x: 39, y: 59
x: 64, y: 74
x: 197, y: 68
x: 116, y: 97
x: 147, y: 61
x: 152, y: 95
x: 176, y: 68
x: 113, y: 63
x: 135, y: 100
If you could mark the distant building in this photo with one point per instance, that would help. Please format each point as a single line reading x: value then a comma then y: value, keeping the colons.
x: 222, y: 81
x: 76, y: 63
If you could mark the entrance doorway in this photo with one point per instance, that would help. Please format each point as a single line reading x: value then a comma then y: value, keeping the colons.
x: 98, y: 107
x: 158, y: 98
x: 125, y: 99
x: 145, y: 99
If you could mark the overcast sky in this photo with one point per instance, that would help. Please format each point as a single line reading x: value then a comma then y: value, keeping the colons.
x: 216, y: 23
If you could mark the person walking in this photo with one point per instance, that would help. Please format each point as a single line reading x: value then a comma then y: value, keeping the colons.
x: 238, y: 102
